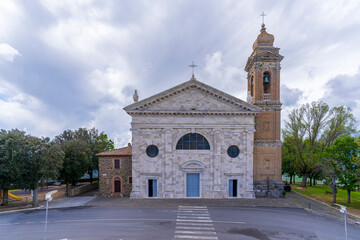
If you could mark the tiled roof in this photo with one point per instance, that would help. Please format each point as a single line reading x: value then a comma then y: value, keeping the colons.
x: 125, y: 151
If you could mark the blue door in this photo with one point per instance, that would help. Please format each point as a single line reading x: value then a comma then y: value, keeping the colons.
x: 231, y: 186
x: 154, y: 188
x: 193, y: 185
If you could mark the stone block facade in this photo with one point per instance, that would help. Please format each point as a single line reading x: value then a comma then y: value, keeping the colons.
x: 109, y: 175
x: 192, y: 108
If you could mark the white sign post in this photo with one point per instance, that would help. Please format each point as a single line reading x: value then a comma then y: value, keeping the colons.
x: 344, y: 211
x: 48, y: 198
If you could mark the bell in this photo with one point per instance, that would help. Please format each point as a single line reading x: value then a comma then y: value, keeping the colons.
x: 266, y: 80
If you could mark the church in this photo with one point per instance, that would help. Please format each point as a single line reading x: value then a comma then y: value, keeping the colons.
x: 195, y: 141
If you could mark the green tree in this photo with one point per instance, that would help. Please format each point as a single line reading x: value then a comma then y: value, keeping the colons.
x: 23, y: 162
x: 289, y: 167
x: 12, y: 151
x: 96, y: 142
x: 76, y: 161
x: 344, y: 154
x: 29, y: 175
x: 313, y: 127
x: 51, y: 161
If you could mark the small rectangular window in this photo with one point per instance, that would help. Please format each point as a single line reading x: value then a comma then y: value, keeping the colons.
x: 117, y: 164
x: 130, y: 179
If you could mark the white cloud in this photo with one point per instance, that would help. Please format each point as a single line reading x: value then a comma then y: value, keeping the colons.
x: 224, y: 75
x: 11, y: 19
x: 7, y: 52
x: 344, y: 90
x: 109, y: 84
x: 105, y: 49
x: 26, y: 112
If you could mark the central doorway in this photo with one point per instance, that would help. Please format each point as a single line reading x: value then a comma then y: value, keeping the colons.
x: 193, y: 185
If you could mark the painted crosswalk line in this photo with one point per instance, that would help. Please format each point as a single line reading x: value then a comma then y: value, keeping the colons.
x: 194, y: 222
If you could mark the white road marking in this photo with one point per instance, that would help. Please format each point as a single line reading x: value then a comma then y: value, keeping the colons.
x: 203, y: 207
x: 193, y: 214
x: 194, y: 222
x: 195, y: 237
x: 195, y: 232
x: 193, y: 217
x: 195, y: 228
x: 191, y: 211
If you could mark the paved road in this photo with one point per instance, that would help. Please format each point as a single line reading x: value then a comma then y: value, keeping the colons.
x: 183, y: 222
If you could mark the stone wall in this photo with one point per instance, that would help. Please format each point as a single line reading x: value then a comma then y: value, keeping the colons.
x: 107, y: 175
x: 82, y: 189
x: 270, y: 189
x: 317, y: 206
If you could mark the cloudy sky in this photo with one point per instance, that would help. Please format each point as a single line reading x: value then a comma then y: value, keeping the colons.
x: 67, y: 64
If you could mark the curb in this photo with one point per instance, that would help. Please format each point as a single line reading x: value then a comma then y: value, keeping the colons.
x: 22, y: 210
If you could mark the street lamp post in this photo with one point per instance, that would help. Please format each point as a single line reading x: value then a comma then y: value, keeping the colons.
x: 48, y: 198
x: 344, y: 211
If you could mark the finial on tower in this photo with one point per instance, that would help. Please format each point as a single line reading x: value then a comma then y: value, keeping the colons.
x: 193, y: 66
x: 136, y: 96
x: 263, y: 23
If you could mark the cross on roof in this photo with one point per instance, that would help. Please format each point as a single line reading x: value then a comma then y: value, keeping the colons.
x: 193, y: 66
x: 263, y: 15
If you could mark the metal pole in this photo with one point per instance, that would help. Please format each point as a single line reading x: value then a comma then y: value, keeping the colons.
x: 345, y: 226
x: 47, y: 207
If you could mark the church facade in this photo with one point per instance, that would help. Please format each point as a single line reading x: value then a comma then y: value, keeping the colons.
x: 195, y: 141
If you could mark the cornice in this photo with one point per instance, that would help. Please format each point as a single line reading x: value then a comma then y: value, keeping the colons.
x: 192, y: 113
x: 191, y: 84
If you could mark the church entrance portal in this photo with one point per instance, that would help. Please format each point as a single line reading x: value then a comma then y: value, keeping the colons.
x: 193, y: 185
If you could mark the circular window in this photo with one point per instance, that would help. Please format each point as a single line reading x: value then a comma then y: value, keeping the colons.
x: 233, y: 151
x: 152, y: 151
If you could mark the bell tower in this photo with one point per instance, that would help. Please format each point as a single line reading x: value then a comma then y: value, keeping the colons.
x: 263, y: 68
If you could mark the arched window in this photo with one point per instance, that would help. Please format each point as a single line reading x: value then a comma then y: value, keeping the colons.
x: 193, y: 141
x: 266, y: 81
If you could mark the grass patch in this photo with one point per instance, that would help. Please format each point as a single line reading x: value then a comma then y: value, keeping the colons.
x: 14, y: 190
x: 318, y: 192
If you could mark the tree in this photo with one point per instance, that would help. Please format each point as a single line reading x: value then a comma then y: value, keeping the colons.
x: 12, y: 151
x: 51, y: 161
x: 313, y: 127
x: 96, y: 142
x: 331, y: 170
x: 289, y: 167
x: 22, y: 162
x: 344, y: 154
x: 29, y: 175
x: 76, y: 161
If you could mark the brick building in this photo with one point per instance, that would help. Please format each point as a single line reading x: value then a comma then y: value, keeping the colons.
x: 115, y: 172
x: 196, y: 141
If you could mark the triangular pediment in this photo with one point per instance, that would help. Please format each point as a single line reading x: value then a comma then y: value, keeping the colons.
x: 192, y: 97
